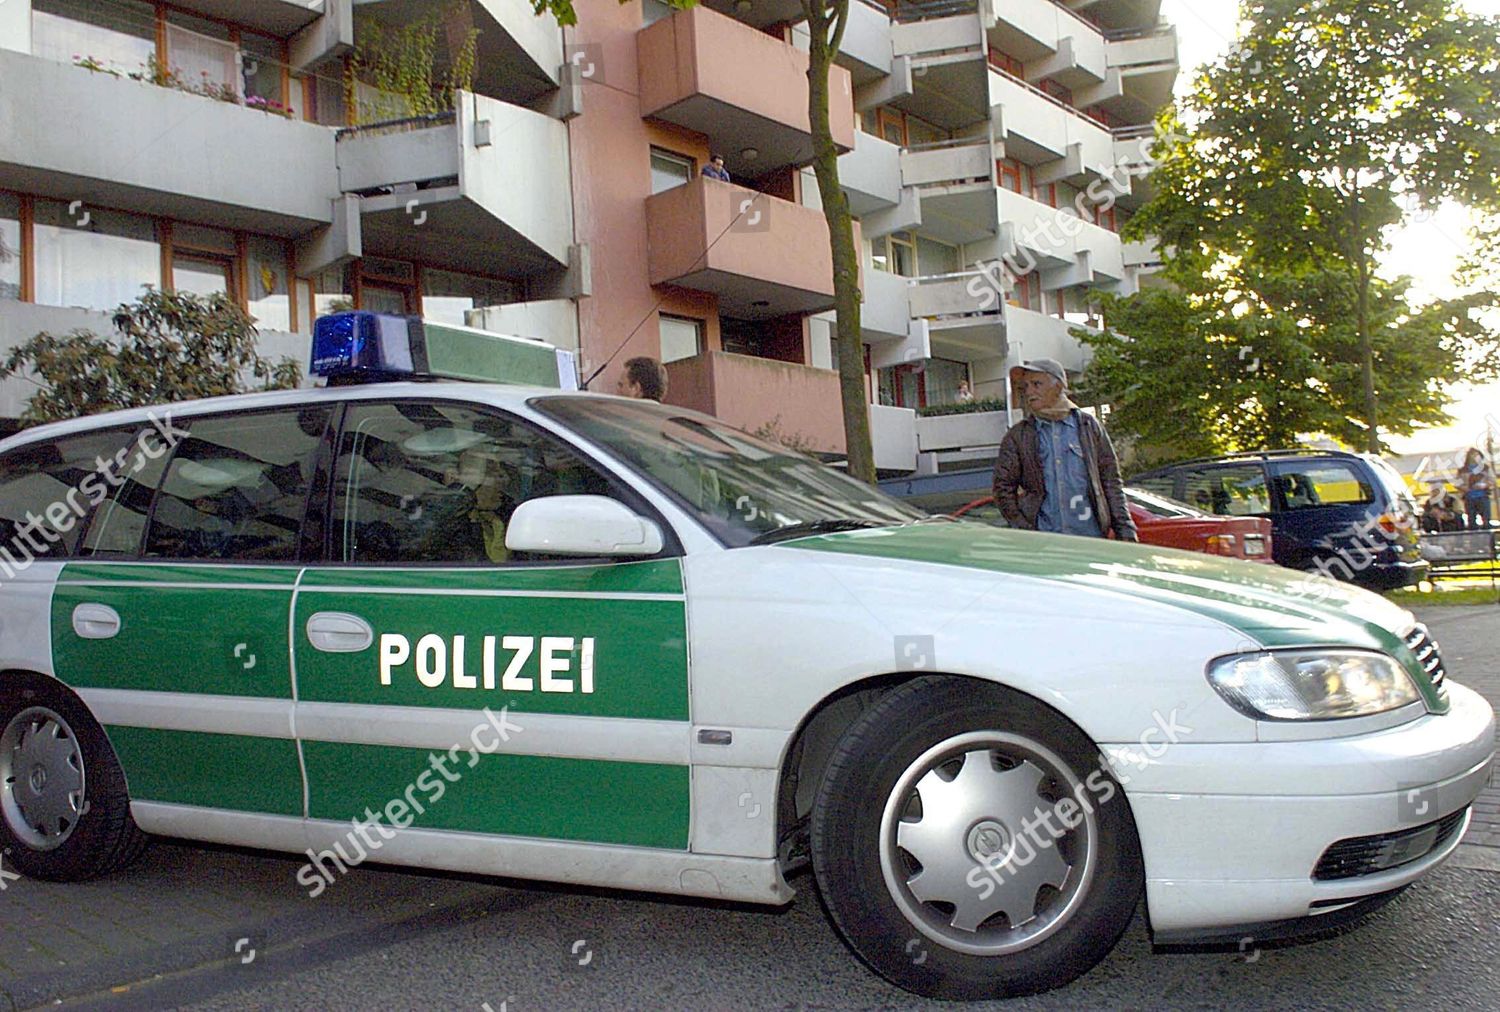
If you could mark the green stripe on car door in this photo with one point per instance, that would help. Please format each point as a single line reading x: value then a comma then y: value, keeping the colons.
x: 636, y: 804
x: 236, y: 772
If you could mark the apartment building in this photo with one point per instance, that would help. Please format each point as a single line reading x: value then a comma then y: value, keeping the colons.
x: 562, y: 197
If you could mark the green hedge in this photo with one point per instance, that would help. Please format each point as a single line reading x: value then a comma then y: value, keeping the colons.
x: 963, y: 407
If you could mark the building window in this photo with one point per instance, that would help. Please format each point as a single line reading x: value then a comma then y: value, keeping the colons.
x: 1006, y: 63
x: 1106, y: 218
x: 941, y: 379
x: 10, y: 246
x: 447, y: 295
x: 669, y: 170
x: 1057, y: 91
x: 680, y: 337
x: 267, y: 297
x: 895, y: 254
x: 892, y: 123
x: 202, y: 56
x: 1046, y: 193
x: 1013, y: 175
x: 934, y: 257
x: 117, y: 37
x: 92, y: 258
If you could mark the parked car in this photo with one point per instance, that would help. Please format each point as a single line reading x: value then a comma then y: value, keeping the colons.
x: 1170, y: 524
x: 1344, y: 515
x: 514, y: 631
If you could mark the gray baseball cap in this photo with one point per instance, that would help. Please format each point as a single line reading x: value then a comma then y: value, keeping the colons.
x: 1051, y: 366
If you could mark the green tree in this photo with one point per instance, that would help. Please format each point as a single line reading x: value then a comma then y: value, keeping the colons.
x: 825, y: 21
x: 1331, y: 122
x: 168, y: 347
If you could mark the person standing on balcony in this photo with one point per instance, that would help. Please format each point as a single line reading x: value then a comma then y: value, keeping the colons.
x: 644, y: 379
x: 965, y: 395
x: 715, y: 168
x: 1057, y: 470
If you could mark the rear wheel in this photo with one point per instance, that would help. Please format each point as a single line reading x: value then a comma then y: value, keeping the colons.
x: 64, y: 812
x: 968, y: 844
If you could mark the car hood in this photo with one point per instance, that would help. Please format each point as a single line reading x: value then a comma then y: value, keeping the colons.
x: 1271, y: 605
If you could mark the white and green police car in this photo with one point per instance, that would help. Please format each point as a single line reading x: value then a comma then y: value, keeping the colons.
x: 553, y: 635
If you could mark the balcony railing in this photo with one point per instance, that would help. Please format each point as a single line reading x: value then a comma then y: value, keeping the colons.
x: 1022, y: 82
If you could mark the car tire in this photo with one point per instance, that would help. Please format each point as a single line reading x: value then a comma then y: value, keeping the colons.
x: 64, y: 809
x: 976, y: 763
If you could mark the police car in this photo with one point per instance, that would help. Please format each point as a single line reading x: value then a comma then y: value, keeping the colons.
x: 520, y: 631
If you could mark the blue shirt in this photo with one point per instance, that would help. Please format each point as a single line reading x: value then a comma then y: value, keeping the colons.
x: 1067, y: 507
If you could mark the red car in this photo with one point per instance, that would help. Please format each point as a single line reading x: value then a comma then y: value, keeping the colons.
x: 1171, y: 524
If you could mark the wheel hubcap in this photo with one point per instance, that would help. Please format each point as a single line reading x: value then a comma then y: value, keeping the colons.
x: 41, y: 778
x: 972, y: 847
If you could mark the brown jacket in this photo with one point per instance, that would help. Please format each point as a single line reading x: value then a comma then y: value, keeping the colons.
x: 1020, y: 485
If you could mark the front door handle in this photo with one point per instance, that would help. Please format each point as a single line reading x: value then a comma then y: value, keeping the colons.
x: 338, y: 632
x: 96, y: 621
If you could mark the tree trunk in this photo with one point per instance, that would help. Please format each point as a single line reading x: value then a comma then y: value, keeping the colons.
x: 1362, y: 326
x: 825, y: 22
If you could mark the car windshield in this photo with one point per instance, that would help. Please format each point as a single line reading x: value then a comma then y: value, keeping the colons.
x: 742, y: 488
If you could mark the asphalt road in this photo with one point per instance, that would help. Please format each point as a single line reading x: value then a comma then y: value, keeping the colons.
x: 211, y: 928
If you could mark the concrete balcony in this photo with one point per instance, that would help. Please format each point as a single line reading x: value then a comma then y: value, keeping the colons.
x: 1030, y: 334
x: 281, y: 18
x: 871, y: 174
x: 946, y: 57
x: 972, y: 430
x: 886, y: 312
x: 956, y: 183
x: 485, y: 187
x: 762, y: 256
x: 1147, y: 62
x: 761, y: 14
x: 1059, y: 142
x: 1048, y: 39
x: 1141, y: 254
x: 745, y: 89
x: 72, y: 134
x: 799, y: 403
x: 893, y: 437
x: 866, y: 47
x: 967, y: 294
x: 519, y: 56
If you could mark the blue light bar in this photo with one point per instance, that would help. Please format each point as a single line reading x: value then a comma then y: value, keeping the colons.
x: 373, y: 344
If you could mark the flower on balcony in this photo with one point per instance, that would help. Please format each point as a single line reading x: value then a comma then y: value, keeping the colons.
x: 268, y: 105
x: 94, y: 65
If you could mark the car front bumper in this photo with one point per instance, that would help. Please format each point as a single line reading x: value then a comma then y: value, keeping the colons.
x: 1231, y: 833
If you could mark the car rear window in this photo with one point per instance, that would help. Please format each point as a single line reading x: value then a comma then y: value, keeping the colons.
x: 1311, y: 484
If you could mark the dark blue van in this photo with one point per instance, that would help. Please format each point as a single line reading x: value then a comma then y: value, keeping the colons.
x: 1346, y: 515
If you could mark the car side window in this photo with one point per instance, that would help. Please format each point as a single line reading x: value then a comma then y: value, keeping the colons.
x: 1322, y: 483
x: 438, y: 483
x: 1236, y: 490
x: 119, y: 524
x: 1160, y: 484
x: 49, y: 489
x: 236, y: 489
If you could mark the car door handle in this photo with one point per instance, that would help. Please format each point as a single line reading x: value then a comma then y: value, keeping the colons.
x: 338, y: 632
x: 96, y: 621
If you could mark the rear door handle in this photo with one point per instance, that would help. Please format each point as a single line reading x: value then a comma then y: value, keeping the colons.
x: 338, y: 632
x: 96, y: 621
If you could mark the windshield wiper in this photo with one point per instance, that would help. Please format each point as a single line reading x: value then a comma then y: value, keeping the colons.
x: 809, y: 527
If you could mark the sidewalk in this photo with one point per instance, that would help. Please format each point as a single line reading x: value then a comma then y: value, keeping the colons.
x: 1470, y: 640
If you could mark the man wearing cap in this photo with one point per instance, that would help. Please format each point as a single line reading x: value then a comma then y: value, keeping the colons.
x: 1057, y: 470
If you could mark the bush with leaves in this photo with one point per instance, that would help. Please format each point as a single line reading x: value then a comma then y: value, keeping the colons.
x: 169, y: 346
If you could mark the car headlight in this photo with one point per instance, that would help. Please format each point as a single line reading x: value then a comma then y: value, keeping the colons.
x: 1312, y: 684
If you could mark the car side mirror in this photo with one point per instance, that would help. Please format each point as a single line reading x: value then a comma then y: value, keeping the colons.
x: 581, y: 525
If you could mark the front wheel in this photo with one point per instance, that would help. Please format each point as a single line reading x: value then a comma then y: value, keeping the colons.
x: 968, y: 843
x: 64, y: 811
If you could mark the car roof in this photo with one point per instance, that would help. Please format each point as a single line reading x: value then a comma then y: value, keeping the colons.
x: 1254, y: 455
x: 500, y: 395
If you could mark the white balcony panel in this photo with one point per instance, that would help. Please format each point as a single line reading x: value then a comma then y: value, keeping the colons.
x: 1036, y: 335
x: 886, y: 313
x: 870, y: 174
x: 1158, y: 48
x: 938, y: 35
x: 970, y: 431
x: 945, y: 166
x: 893, y: 437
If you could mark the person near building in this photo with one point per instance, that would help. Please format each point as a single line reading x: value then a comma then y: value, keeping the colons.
x: 1478, y: 485
x: 965, y: 395
x: 1057, y: 470
x: 644, y: 379
x: 715, y: 168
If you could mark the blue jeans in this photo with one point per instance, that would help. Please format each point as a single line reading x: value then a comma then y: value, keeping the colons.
x: 1477, y: 509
